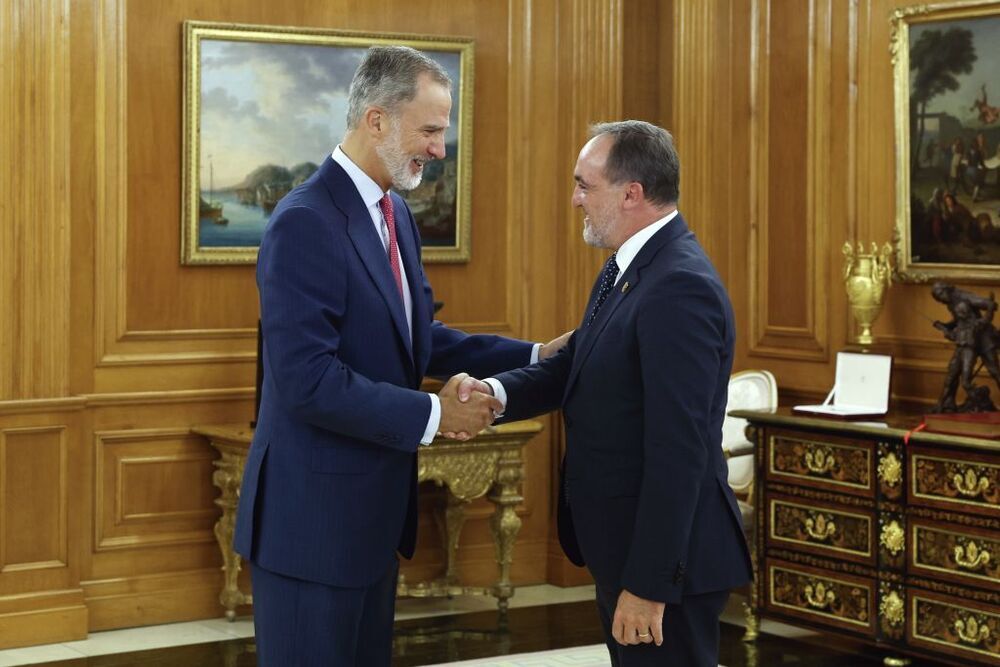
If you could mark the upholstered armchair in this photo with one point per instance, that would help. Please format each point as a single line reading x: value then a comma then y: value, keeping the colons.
x: 748, y: 390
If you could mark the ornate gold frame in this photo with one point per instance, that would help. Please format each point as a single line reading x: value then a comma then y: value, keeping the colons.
x: 906, y: 269
x: 196, y: 31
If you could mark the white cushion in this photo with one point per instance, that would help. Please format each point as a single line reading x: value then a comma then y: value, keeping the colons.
x: 740, y: 472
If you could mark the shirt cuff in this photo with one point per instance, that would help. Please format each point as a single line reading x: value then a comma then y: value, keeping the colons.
x: 534, y: 353
x: 433, y: 422
x: 499, y: 392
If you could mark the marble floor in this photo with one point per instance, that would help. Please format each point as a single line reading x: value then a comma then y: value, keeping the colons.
x: 435, y: 631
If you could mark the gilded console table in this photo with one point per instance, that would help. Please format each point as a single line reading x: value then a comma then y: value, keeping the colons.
x: 873, y: 531
x: 488, y: 465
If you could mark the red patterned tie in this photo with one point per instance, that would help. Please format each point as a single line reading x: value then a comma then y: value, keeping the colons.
x: 390, y: 221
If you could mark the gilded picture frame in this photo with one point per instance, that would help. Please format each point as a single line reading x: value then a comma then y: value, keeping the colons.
x: 263, y: 106
x: 946, y: 75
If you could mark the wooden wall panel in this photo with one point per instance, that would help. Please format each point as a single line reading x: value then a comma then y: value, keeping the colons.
x: 33, y: 498
x: 34, y: 209
x: 41, y: 599
x: 154, y: 486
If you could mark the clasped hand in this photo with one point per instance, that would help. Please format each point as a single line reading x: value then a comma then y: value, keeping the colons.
x: 467, y: 407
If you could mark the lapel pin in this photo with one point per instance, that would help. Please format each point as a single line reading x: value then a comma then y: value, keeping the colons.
x: 625, y: 287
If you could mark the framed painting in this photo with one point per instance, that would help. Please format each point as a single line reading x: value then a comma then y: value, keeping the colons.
x: 946, y: 60
x: 265, y: 105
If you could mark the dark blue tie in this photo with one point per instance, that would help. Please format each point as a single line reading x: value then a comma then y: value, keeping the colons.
x: 607, y: 283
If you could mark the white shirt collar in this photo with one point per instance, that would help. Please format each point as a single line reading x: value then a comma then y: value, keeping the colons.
x: 634, y: 243
x: 369, y: 190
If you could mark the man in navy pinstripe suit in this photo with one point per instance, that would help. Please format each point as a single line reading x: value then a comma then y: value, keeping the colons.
x: 329, y: 490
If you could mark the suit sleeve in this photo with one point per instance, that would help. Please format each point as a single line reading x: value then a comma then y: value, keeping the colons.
x: 302, y: 276
x: 538, y: 388
x: 680, y: 349
x: 481, y: 355
x: 454, y: 351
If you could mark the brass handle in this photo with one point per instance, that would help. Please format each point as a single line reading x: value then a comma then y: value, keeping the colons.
x: 970, y: 484
x: 819, y: 460
x: 893, y: 608
x: 971, y: 631
x: 820, y: 528
x: 819, y: 596
x: 971, y: 556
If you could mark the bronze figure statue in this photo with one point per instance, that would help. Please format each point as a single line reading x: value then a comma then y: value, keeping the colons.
x: 976, y: 340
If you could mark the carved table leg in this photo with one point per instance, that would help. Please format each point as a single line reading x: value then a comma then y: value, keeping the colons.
x: 227, y: 477
x: 505, y: 522
x: 454, y: 519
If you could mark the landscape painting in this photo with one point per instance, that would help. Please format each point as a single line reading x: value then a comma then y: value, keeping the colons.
x: 265, y: 106
x: 948, y: 141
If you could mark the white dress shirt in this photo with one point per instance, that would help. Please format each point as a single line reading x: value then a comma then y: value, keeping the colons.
x: 625, y: 254
x: 371, y: 193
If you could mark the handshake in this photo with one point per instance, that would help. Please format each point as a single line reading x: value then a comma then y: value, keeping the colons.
x: 467, y: 407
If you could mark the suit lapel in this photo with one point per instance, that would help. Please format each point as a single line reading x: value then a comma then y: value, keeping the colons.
x: 633, y: 274
x: 367, y: 243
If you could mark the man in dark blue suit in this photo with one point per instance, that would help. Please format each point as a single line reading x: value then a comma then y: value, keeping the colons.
x: 644, y: 500
x: 329, y: 489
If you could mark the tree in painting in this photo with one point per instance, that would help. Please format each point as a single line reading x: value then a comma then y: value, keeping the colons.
x: 936, y: 58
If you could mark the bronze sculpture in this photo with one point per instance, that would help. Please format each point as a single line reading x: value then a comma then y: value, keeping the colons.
x: 976, y: 340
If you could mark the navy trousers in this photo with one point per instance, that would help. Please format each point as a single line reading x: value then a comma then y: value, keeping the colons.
x: 690, y: 632
x: 306, y: 624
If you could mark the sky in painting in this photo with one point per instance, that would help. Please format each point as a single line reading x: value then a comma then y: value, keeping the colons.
x: 986, y: 69
x: 283, y: 104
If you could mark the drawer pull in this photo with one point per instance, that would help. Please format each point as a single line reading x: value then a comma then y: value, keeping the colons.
x: 970, y: 556
x: 820, y: 528
x: 971, y: 631
x: 893, y: 609
x: 893, y: 537
x: 818, y: 595
x: 890, y: 470
x: 819, y: 460
x: 970, y: 484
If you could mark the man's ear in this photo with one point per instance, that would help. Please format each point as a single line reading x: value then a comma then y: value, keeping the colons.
x: 634, y: 194
x: 375, y: 121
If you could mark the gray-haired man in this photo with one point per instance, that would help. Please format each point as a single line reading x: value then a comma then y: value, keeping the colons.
x: 329, y: 491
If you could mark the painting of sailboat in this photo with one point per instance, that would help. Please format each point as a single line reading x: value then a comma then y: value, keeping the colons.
x: 265, y: 106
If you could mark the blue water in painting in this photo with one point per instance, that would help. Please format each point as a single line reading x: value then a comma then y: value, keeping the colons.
x: 245, y: 228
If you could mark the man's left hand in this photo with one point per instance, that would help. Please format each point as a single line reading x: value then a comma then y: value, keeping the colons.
x: 554, y: 345
x: 637, y: 621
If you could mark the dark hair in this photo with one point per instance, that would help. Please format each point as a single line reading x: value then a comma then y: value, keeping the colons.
x: 644, y: 153
x: 387, y: 77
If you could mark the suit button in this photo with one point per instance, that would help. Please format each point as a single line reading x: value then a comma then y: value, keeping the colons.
x: 568, y: 422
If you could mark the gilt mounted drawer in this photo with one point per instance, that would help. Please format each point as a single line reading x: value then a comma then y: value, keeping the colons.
x: 828, y: 462
x: 957, y: 627
x: 961, y: 481
x: 835, y: 600
x: 821, y: 528
x: 954, y: 552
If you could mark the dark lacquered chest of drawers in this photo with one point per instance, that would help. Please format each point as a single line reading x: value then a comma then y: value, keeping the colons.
x: 894, y: 540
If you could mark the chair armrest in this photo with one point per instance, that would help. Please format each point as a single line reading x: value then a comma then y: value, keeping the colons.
x: 741, y: 449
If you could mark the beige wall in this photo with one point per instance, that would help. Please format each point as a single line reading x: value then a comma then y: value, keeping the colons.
x: 110, y: 350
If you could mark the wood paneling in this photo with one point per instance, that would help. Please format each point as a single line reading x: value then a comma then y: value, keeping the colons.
x: 34, y: 208
x: 33, y: 497
x: 153, y: 488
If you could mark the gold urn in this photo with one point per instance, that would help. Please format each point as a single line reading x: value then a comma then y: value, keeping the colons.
x: 866, y: 277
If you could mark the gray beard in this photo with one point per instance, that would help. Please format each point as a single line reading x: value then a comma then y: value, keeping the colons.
x: 397, y: 163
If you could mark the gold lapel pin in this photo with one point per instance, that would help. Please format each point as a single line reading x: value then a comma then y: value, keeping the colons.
x: 625, y: 287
